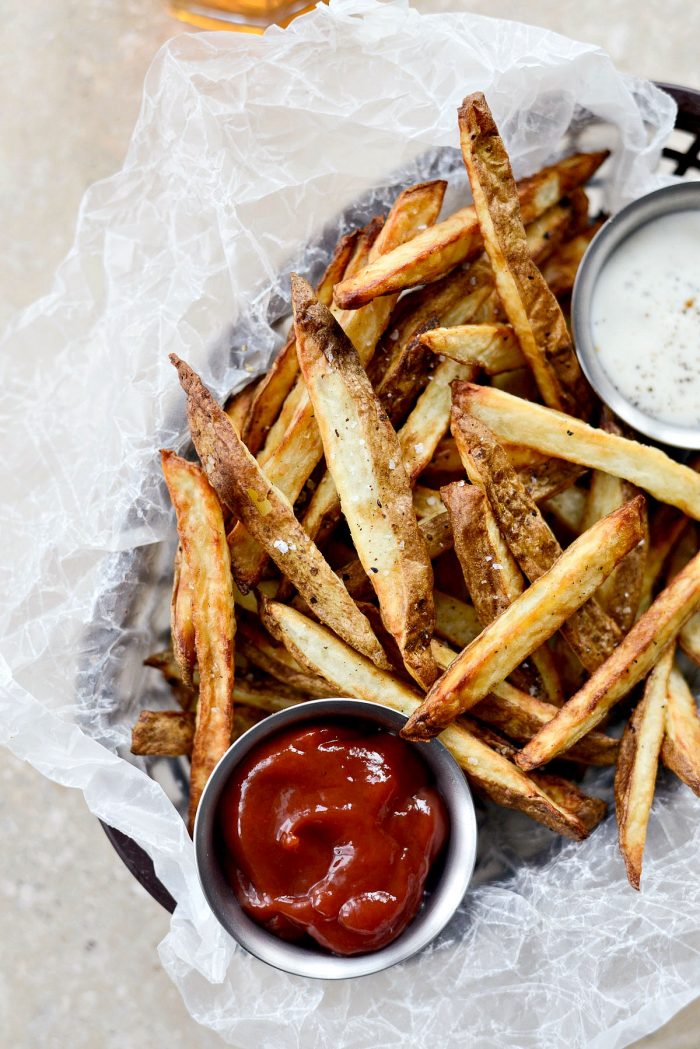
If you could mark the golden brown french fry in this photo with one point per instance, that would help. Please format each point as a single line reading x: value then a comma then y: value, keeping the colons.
x: 164, y: 733
x: 352, y: 675
x: 181, y: 623
x: 680, y: 749
x: 527, y: 300
x: 426, y: 502
x: 591, y: 633
x: 427, y: 423
x: 284, y: 370
x: 561, y: 268
x: 438, y: 538
x: 564, y: 437
x: 689, y: 639
x: 432, y: 253
x: 532, y: 618
x: 635, y: 776
x: 589, y: 810
x: 492, y: 576
x: 200, y: 525
x: 186, y: 695
x: 267, y: 515
x: 491, y: 347
x: 297, y: 452
x: 374, y: 491
x: 632, y: 659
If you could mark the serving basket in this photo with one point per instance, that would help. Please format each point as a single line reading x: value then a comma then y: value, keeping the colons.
x: 681, y: 157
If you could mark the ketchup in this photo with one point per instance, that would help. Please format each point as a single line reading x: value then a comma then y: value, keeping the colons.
x: 329, y: 830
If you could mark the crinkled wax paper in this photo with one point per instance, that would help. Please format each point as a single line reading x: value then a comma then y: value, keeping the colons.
x: 246, y: 152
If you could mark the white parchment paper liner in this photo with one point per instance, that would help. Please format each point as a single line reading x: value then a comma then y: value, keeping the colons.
x: 246, y: 152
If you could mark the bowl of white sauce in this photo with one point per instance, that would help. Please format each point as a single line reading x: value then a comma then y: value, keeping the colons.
x: 636, y: 314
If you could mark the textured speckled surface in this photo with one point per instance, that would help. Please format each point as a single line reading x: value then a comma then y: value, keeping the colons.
x: 79, y: 963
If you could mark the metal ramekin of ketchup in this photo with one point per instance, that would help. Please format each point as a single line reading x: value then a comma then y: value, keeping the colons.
x: 328, y: 846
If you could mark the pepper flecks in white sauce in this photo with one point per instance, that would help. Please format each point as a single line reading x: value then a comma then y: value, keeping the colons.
x: 646, y: 318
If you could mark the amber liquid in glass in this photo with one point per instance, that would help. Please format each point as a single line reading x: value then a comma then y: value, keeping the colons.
x: 247, y: 16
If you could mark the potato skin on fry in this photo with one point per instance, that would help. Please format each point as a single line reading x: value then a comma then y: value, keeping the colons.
x: 267, y: 515
x: 637, y: 764
x: 371, y: 481
x: 528, y: 302
x: 163, y: 733
x: 680, y: 749
x: 528, y: 622
x: 200, y: 525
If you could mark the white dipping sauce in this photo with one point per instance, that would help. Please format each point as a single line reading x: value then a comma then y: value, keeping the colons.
x: 646, y: 318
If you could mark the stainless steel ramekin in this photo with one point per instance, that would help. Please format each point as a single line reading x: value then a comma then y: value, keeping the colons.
x: 454, y: 871
x: 681, y: 197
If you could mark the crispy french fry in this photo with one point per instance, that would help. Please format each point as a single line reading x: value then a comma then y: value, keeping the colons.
x: 164, y: 733
x: 632, y: 659
x: 324, y: 654
x: 267, y: 515
x: 284, y: 370
x: 432, y: 253
x: 491, y: 347
x: 186, y: 695
x: 665, y: 529
x: 426, y: 502
x: 297, y: 453
x: 589, y: 810
x: 200, y: 526
x: 680, y: 749
x: 590, y: 632
x: 527, y: 300
x: 561, y: 268
x: 373, y: 487
x: 181, y: 622
x: 492, y: 576
x: 635, y: 776
x: 564, y: 437
x: 438, y: 538
x: 532, y: 618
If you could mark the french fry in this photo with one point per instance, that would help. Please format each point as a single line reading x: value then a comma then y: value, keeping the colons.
x: 186, y: 695
x: 438, y: 538
x: 164, y: 733
x: 426, y: 502
x: 373, y: 487
x: 432, y: 253
x: 181, y: 622
x: 634, y: 657
x: 491, y: 347
x: 567, y: 508
x: 532, y: 618
x: 527, y: 300
x: 200, y: 526
x: 284, y: 370
x: 564, y: 437
x: 497, y: 777
x: 300, y: 449
x: 665, y: 529
x: 680, y: 749
x: 590, y: 811
x: 635, y: 776
x: 689, y: 639
x: 492, y: 576
x: 267, y: 515
x: 590, y: 632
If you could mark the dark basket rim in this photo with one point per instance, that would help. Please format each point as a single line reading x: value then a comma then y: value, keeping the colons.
x: 130, y: 852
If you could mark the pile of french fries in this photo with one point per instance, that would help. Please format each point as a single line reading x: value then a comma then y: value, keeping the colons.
x: 421, y: 504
